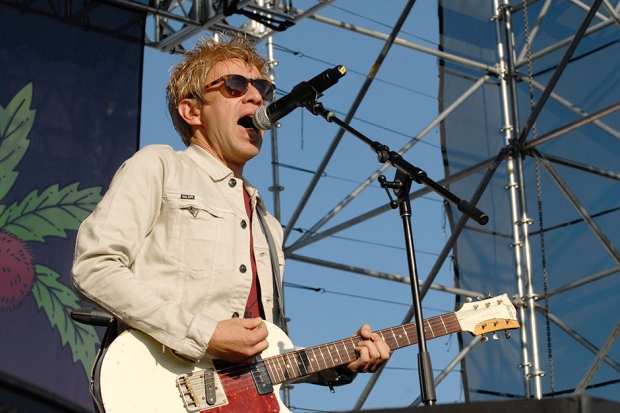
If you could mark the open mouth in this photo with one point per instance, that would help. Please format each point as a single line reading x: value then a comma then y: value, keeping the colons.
x: 247, y: 123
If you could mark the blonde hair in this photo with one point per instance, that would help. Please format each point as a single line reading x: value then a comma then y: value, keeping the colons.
x: 187, y: 79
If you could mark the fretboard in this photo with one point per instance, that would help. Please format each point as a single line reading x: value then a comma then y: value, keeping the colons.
x: 310, y: 360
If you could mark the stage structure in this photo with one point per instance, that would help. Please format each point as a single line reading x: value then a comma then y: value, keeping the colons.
x: 527, y: 127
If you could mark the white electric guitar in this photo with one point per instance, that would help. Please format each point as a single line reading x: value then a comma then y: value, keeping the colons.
x: 136, y: 374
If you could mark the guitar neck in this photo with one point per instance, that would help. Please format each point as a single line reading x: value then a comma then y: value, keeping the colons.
x: 310, y: 360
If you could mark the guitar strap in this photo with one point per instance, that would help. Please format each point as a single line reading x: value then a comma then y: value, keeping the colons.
x: 275, y: 268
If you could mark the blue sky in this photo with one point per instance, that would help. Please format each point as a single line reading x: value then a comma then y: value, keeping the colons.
x: 327, y: 304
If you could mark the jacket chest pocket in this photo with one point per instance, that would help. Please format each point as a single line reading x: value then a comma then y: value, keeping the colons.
x: 204, y: 239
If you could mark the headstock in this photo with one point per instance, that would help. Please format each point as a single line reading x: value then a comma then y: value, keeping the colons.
x: 487, y: 316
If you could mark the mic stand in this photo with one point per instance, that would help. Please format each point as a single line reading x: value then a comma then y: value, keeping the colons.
x: 405, y: 174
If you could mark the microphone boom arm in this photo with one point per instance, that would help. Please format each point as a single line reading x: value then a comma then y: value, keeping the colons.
x: 384, y: 154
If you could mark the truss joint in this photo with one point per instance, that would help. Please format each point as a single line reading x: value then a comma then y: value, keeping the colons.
x: 501, y: 10
x: 534, y: 297
x: 526, y: 221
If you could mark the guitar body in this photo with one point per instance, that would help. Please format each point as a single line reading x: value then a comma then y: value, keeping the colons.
x: 138, y: 375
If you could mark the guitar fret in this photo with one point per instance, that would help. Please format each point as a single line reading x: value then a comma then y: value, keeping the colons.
x: 350, y: 351
x: 313, y: 361
x: 290, y: 366
x: 281, y: 367
x: 329, y: 352
x: 397, y: 344
x: 406, y: 335
x: 302, y: 362
x: 444, y: 324
x: 430, y: 327
x: 323, y: 357
x: 271, y: 370
x: 338, y: 358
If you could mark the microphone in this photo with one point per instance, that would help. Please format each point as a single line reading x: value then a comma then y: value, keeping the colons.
x: 301, y: 95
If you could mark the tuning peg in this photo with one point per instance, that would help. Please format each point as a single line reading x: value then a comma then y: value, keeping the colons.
x: 468, y: 300
x: 506, y: 334
x: 495, y: 337
x: 484, y: 339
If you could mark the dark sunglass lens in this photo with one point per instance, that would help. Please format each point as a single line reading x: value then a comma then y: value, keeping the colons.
x: 265, y: 88
x: 236, y: 85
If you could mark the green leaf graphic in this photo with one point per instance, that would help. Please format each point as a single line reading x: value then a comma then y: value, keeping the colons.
x: 51, y: 213
x: 58, y: 300
x: 15, y: 124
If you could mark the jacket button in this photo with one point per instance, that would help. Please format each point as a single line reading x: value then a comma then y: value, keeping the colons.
x: 232, y: 182
x: 242, y: 268
x: 235, y: 315
x: 244, y: 224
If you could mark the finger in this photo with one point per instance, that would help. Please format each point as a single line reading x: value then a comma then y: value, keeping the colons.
x: 373, y: 353
x: 361, y: 362
x: 251, y: 323
x: 369, y: 357
x: 365, y: 331
x: 382, y: 346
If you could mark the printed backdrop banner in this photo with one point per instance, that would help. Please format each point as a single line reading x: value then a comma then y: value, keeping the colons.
x: 69, y: 116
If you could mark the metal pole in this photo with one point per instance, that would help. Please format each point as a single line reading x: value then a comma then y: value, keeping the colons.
x: 520, y: 222
x: 276, y: 188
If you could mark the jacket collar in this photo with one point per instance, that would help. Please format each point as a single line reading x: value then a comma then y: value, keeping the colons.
x: 217, y: 171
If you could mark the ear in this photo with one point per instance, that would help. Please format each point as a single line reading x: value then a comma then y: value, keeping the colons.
x: 189, y: 112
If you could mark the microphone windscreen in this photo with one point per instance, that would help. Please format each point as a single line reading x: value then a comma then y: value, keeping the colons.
x: 261, y: 120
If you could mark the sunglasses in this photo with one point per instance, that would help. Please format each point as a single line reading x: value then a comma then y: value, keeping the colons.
x: 237, y: 85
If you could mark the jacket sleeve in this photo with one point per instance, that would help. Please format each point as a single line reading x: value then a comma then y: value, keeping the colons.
x: 107, y: 244
x: 337, y: 376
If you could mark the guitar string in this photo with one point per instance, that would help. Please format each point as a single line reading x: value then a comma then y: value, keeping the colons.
x: 279, y: 363
x: 279, y: 366
x: 440, y: 321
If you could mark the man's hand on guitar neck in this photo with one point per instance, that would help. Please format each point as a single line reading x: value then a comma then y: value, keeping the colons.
x: 238, y: 340
x: 372, y: 352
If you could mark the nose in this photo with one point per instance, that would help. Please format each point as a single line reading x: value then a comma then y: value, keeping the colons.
x: 253, y: 95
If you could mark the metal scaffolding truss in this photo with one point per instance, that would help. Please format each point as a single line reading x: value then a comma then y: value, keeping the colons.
x: 521, y: 144
x: 170, y: 23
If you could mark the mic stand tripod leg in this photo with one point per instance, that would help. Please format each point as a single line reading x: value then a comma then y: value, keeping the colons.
x: 402, y: 186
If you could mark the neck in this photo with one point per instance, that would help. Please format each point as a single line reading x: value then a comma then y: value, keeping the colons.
x: 236, y: 169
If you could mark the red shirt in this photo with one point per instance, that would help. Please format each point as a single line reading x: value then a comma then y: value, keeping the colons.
x: 254, y: 306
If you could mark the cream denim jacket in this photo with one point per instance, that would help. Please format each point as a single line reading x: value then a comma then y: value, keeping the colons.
x: 167, y: 250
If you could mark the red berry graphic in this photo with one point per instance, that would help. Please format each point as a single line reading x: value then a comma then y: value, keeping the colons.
x: 16, y: 271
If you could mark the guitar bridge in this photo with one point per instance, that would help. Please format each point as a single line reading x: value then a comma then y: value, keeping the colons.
x: 201, y: 390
